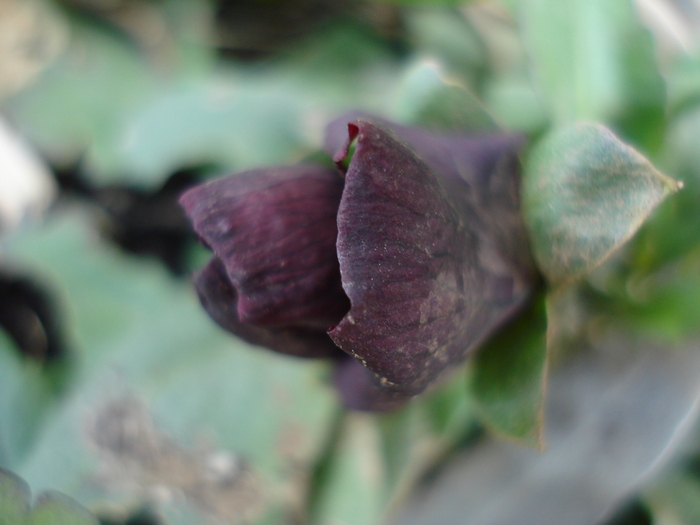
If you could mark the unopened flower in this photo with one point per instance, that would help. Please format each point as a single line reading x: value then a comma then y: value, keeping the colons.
x: 396, y: 264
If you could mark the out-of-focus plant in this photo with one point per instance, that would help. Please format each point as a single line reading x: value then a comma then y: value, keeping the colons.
x: 118, y: 390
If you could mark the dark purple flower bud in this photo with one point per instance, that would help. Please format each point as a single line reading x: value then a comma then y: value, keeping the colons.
x: 410, y: 262
x: 274, y: 279
x: 220, y: 299
x: 425, y: 239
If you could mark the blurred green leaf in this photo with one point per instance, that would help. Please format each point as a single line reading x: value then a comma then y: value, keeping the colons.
x: 397, y: 449
x: 230, y: 119
x: 425, y: 99
x: 507, y: 87
x: 53, y: 508
x: 675, y: 498
x: 50, y: 508
x: 684, y: 84
x: 421, y: 433
x: 671, y: 310
x: 585, y: 193
x: 28, y: 390
x: 595, y: 61
x: 514, y: 103
x: 11, y: 380
x: 674, y: 229
x: 83, y: 106
x: 79, y: 105
x: 341, y: 67
x: 406, y: 445
x: 14, y: 498
x: 145, y: 342
x: 351, y: 490
x: 508, y: 380
x: 447, y: 36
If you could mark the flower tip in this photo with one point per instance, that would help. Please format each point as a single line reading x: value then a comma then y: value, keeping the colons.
x: 342, y: 153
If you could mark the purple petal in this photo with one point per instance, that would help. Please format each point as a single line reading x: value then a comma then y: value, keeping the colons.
x: 489, y: 165
x: 275, y: 231
x: 219, y: 299
x: 424, y: 271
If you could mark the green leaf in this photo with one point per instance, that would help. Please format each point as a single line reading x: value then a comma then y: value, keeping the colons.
x: 449, y: 37
x: 397, y: 449
x: 154, y: 362
x: 509, y: 377
x: 83, y: 105
x: 53, y: 508
x: 224, y: 119
x: 684, y: 84
x: 585, y: 193
x: 350, y: 491
x: 514, y: 103
x: 79, y: 106
x: 28, y: 390
x: 426, y: 99
x: 14, y: 498
x: 675, y: 498
x: 595, y: 61
x: 674, y: 229
x: 421, y: 433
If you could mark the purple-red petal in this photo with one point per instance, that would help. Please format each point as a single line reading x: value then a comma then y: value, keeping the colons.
x: 426, y: 277
x: 220, y: 300
x: 488, y: 164
x: 275, y: 231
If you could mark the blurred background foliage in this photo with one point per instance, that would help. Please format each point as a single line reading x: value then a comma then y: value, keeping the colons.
x: 119, y: 392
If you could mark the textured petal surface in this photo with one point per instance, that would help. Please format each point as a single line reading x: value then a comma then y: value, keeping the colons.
x: 219, y: 299
x: 275, y: 231
x: 488, y: 164
x: 420, y: 262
